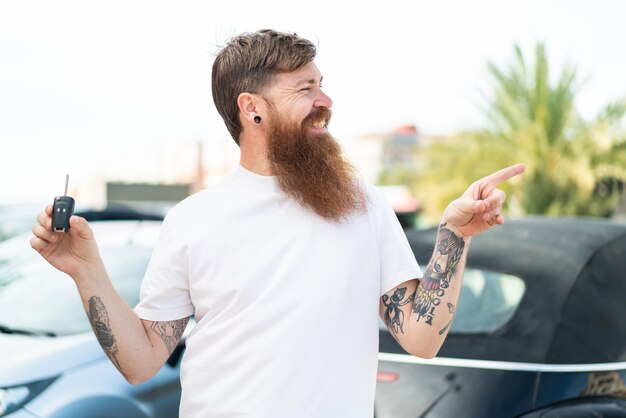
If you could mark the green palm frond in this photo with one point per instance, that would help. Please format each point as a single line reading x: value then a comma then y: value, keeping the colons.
x: 573, y: 165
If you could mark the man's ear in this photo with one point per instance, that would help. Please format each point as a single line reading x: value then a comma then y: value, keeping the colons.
x: 249, y: 107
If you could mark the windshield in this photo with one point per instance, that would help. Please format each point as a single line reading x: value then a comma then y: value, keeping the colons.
x: 36, y: 296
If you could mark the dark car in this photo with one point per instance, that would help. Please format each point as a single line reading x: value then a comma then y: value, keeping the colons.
x: 540, y: 329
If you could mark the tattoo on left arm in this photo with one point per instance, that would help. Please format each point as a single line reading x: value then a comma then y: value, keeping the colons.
x: 436, y: 280
x: 451, y: 309
x: 394, y: 317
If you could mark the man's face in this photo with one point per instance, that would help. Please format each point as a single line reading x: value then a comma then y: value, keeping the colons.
x: 297, y: 94
x: 306, y: 160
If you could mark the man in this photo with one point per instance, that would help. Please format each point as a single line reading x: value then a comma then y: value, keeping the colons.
x: 285, y: 265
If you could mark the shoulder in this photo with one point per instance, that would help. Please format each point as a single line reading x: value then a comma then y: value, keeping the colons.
x: 377, y: 200
x: 203, y: 204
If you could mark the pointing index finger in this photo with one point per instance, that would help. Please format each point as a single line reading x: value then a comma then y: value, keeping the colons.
x: 505, y: 174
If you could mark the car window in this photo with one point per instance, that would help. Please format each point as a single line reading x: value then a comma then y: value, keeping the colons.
x: 488, y: 300
x: 35, y: 296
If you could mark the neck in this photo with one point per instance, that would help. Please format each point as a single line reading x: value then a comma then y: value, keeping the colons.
x: 254, y: 158
x: 256, y: 165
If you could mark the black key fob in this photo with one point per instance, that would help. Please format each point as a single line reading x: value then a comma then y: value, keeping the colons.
x: 62, y: 210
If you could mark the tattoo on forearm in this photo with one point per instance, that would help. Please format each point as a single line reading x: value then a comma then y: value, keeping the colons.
x: 170, y: 331
x: 451, y: 309
x: 99, y: 319
x: 394, y: 317
x: 437, y: 277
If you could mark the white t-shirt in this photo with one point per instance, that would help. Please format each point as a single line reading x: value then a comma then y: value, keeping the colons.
x: 286, y: 303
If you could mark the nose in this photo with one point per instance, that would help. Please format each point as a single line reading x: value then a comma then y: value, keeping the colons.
x: 323, y: 100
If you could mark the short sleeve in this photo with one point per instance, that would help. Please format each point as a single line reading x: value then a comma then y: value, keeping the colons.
x: 165, y: 288
x: 397, y: 261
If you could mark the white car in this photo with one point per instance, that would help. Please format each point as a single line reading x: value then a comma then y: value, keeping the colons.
x: 51, y: 365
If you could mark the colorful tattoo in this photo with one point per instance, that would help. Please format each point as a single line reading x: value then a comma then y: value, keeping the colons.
x: 436, y: 280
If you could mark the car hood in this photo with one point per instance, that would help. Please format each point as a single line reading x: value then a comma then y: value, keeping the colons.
x: 25, y: 359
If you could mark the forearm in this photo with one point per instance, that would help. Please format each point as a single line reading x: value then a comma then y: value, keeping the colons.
x: 419, y: 313
x: 428, y: 304
x: 438, y: 291
x: 137, y: 348
x: 117, y: 327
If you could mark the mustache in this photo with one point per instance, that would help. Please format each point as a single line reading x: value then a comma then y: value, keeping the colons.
x: 320, y: 114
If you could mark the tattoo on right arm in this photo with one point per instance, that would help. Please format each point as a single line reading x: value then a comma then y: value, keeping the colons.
x: 99, y: 319
x: 170, y: 331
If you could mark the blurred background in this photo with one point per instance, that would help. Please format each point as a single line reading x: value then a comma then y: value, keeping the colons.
x: 429, y: 96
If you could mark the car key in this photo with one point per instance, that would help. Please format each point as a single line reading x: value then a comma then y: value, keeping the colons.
x: 62, y: 210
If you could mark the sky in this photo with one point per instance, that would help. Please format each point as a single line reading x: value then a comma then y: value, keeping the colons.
x: 121, y: 90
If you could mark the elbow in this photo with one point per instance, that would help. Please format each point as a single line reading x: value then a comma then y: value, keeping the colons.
x: 425, y: 350
x: 133, y: 380
x: 137, y: 378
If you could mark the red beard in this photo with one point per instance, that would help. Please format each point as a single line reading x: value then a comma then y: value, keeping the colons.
x: 312, y: 169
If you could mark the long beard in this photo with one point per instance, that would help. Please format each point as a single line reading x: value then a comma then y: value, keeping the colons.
x: 311, y: 168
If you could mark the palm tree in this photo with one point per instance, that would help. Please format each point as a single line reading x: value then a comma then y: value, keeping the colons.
x: 574, y: 167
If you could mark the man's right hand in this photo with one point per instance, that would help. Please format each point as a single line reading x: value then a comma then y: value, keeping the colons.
x: 75, y: 252
x: 138, y: 348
